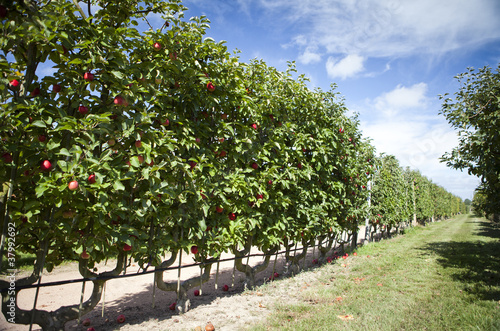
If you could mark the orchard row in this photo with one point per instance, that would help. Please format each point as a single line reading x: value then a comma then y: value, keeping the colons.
x: 146, y: 144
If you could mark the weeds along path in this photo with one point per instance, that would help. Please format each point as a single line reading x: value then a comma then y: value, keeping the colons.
x: 445, y: 276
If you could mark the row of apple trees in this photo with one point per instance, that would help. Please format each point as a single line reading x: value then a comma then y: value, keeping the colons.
x: 119, y: 143
x: 401, y: 195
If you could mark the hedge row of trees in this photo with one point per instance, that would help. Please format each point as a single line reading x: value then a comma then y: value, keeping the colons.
x: 145, y: 144
x: 402, y: 195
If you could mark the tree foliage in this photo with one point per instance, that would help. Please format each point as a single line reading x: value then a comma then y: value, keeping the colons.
x: 475, y: 113
x: 173, y: 143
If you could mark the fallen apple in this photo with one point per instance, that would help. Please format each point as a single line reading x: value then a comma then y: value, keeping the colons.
x: 225, y: 288
x: 86, y: 322
x: 196, y: 293
x: 172, y: 306
x: 120, y: 319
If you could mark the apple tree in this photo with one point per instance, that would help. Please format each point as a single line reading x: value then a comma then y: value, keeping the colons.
x: 475, y: 111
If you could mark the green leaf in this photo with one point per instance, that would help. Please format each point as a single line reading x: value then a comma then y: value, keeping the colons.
x: 117, y: 185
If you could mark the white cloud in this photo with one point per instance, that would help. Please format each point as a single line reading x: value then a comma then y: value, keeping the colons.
x: 387, y: 28
x: 347, y: 67
x: 403, y: 122
x: 402, y: 98
x: 309, y: 56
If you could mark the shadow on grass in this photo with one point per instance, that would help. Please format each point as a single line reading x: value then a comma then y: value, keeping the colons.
x: 476, y: 264
x: 488, y: 229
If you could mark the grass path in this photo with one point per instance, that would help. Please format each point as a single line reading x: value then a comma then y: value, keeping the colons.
x: 445, y: 276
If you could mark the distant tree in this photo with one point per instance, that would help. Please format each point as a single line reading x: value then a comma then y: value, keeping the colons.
x: 475, y: 113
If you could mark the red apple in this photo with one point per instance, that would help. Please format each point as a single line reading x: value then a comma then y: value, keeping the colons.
x: 254, y: 126
x: 88, y: 76
x: 341, y: 130
x: 91, y: 179
x: 196, y: 293
x: 119, y: 100
x: 3, y: 11
x: 35, y: 92
x: 210, y: 87
x: 192, y: 164
x: 140, y: 158
x: 86, y: 322
x: 198, y: 140
x: 156, y: 46
x: 194, y: 249
x: 223, y: 116
x: 222, y: 154
x: 68, y: 213
x: 172, y: 56
x: 225, y: 288
x: 138, y: 144
x: 260, y: 196
x: 7, y: 157
x: 91, y: 329
x: 83, y: 110
x: 46, y: 165
x: 14, y: 83
x: 127, y: 247
x: 42, y: 138
x: 120, y: 319
x: 85, y: 256
x: 219, y: 209
x: 270, y: 182
x: 255, y: 165
x: 111, y: 142
x: 172, y: 306
x: 299, y: 165
x: 166, y: 123
x: 232, y: 216
x: 73, y: 185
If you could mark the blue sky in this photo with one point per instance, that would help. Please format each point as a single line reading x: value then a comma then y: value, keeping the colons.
x: 390, y: 60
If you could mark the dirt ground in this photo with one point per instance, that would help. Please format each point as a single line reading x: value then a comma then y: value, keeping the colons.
x: 134, y: 297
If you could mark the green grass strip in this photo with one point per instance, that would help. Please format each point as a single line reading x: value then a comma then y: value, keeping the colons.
x: 445, y: 276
